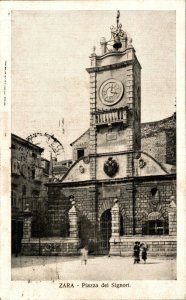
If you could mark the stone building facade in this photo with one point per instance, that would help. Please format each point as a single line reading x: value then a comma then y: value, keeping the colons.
x: 29, y: 173
x: 158, y: 139
x: 118, y: 192
x: 80, y: 147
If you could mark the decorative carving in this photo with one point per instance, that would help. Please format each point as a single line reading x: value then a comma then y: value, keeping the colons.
x: 142, y: 163
x: 111, y: 167
x: 86, y: 160
x: 81, y: 169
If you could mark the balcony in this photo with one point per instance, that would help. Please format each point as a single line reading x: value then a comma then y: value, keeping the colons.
x: 109, y: 117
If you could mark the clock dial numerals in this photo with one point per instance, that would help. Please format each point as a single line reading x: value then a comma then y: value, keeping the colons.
x: 111, y: 92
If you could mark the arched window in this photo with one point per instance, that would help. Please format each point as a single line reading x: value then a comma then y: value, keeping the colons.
x: 155, y: 225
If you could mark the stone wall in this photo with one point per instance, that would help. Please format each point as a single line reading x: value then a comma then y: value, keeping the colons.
x: 114, y: 141
x: 50, y: 246
x: 155, y: 145
x: 91, y: 202
x: 157, y: 246
x: 145, y: 203
x: 159, y: 139
x: 171, y: 146
x: 135, y: 200
x: 124, y: 193
x: 85, y: 202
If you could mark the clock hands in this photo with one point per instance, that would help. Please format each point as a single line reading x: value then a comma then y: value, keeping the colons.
x: 110, y: 92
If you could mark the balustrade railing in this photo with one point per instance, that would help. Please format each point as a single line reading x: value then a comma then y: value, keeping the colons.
x: 109, y: 117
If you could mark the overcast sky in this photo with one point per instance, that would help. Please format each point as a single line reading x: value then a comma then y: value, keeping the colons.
x: 50, y: 52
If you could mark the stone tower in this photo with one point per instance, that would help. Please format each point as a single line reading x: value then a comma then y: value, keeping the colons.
x: 115, y: 100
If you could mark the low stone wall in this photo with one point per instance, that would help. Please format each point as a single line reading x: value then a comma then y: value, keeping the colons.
x: 50, y: 246
x: 157, y: 245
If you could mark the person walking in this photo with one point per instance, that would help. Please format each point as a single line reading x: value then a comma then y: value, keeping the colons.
x: 84, y: 255
x: 144, y: 252
x: 136, y: 252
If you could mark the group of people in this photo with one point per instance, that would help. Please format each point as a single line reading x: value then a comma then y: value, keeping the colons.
x: 136, y: 252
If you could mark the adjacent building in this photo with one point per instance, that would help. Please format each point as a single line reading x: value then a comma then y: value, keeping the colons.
x: 29, y: 173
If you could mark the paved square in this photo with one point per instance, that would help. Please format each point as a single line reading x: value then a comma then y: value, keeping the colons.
x: 97, y: 268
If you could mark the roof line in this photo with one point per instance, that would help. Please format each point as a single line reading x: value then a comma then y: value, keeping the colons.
x: 27, y: 142
x: 71, y: 167
x: 79, y: 137
x: 158, y: 163
x: 158, y: 120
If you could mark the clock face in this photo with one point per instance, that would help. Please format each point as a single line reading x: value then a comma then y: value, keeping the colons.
x: 111, y: 92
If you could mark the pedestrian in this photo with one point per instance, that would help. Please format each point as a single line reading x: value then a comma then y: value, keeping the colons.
x: 136, y: 252
x: 84, y: 255
x: 144, y: 249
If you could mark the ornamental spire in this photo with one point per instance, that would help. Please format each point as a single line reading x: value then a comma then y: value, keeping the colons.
x: 117, y: 18
x: 117, y: 33
x: 118, y: 38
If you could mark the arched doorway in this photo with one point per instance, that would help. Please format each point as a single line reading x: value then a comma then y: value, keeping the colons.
x: 105, y: 231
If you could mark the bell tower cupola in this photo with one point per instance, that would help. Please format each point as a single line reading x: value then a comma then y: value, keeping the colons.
x: 115, y: 98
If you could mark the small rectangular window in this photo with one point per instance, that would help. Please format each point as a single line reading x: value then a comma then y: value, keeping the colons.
x: 80, y: 153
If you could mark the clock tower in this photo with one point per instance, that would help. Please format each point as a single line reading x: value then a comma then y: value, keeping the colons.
x: 115, y: 101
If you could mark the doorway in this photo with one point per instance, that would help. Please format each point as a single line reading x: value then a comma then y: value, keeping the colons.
x: 105, y: 231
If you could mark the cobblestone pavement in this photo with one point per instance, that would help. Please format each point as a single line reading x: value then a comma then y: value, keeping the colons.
x: 97, y: 268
